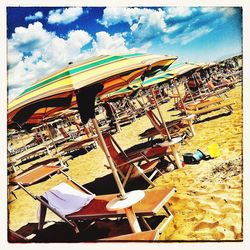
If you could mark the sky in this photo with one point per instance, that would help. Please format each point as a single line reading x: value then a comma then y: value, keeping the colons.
x: 42, y: 40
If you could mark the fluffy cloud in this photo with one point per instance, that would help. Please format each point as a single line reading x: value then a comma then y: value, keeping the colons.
x: 114, y: 44
x: 36, y: 16
x: 174, y: 12
x: 145, y: 24
x: 64, y: 16
x: 31, y: 38
x: 34, y: 52
x: 106, y: 44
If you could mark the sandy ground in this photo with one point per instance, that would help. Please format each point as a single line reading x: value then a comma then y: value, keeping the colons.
x: 208, y: 202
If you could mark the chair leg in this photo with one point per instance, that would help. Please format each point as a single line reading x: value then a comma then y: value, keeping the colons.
x: 43, y: 210
x: 144, y: 176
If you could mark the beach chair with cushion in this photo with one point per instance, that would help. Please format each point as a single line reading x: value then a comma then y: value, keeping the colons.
x: 90, y: 207
x: 130, y: 168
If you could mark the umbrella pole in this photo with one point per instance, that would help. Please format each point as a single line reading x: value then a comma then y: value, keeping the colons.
x: 124, y: 201
x: 171, y: 142
x: 179, y: 94
x: 160, y: 114
x: 53, y: 142
x: 111, y: 164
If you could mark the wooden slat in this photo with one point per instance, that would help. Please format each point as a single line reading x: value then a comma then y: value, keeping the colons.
x: 152, y: 202
x: 35, y: 174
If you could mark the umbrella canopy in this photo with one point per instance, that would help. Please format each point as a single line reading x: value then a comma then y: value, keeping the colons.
x: 57, y: 90
x: 125, y: 91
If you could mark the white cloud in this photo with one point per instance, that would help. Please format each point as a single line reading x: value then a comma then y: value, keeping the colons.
x: 64, y: 16
x: 227, y: 11
x: 188, y: 37
x: 106, y: 44
x: 145, y: 24
x: 33, y: 37
x: 173, y: 28
x: 178, y: 12
x: 36, y: 16
x: 114, y: 44
x: 34, y: 52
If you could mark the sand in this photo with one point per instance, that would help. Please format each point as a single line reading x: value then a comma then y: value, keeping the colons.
x: 208, y: 203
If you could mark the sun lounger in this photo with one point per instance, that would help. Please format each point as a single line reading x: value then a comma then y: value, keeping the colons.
x: 130, y: 168
x: 34, y: 175
x: 150, y: 235
x: 34, y: 152
x: 70, y: 147
x: 209, y: 105
x: 153, y: 201
x: 226, y: 85
x: 178, y: 128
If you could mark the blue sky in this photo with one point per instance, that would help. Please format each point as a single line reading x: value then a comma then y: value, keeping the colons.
x: 42, y: 40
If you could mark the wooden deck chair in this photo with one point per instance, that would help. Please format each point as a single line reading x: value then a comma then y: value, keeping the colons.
x: 130, y: 168
x: 175, y: 128
x: 150, y: 235
x: 153, y: 201
x: 208, y: 105
x: 224, y: 86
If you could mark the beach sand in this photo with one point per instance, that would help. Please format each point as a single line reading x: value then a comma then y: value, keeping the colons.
x: 208, y: 203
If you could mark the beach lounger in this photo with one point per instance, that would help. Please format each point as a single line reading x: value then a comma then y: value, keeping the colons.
x: 150, y: 235
x: 177, y: 128
x: 77, y: 144
x: 130, y: 168
x: 209, y: 105
x: 153, y: 201
x: 32, y: 153
x: 226, y: 86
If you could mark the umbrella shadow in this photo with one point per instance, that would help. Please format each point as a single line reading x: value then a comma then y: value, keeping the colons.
x: 107, y: 185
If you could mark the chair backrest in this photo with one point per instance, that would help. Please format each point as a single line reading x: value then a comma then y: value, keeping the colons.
x: 117, y: 157
x: 156, y: 122
x: 64, y: 133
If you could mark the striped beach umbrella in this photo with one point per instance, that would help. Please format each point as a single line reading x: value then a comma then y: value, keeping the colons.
x: 58, y: 89
x: 87, y: 80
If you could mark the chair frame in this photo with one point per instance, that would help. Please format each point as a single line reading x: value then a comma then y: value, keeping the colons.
x: 131, y: 161
x: 156, y: 202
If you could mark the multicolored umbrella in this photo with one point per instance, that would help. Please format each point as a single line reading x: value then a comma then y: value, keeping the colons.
x: 57, y: 90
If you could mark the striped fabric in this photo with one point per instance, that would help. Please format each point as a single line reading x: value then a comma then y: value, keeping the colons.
x: 174, y: 70
x: 113, y: 72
